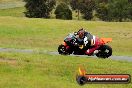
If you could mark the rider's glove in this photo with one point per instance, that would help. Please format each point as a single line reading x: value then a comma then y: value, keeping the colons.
x: 75, y: 44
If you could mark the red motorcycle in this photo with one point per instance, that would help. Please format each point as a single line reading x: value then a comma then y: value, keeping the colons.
x: 69, y: 47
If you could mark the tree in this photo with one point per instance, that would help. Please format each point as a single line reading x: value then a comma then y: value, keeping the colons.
x: 130, y: 1
x: 86, y: 7
x: 119, y: 10
x: 102, y: 1
x: 63, y: 12
x: 75, y: 4
x: 102, y: 11
x: 114, y: 10
x: 130, y: 11
x: 39, y: 8
x: 63, y: 1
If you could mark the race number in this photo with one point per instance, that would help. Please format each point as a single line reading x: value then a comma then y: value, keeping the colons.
x: 85, y: 41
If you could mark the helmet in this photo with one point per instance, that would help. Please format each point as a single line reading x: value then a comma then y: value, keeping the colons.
x: 81, y: 33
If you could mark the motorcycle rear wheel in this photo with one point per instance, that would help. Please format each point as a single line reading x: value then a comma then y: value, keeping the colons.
x: 105, y: 51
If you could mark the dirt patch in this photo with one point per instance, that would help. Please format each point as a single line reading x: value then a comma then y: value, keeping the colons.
x: 10, y: 61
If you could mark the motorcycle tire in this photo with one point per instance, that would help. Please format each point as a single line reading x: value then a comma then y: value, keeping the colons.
x: 62, y: 50
x: 105, y: 51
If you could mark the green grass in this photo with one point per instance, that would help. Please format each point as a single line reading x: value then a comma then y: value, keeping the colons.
x: 1, y: 1
x: 49, y: 71
x: 7, y: 4
x: 18, y: 70
x: 47, y: 34
x: 14, y: 12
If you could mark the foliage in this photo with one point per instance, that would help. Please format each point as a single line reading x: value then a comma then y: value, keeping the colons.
x: 119, y: 10
x: 39, y: 8
x: 102, y: 11
x: 86, y: 7
x: 114, y: 10
x: 63, y: 12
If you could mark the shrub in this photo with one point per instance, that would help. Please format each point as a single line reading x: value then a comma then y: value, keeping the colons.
x: 63, y: 12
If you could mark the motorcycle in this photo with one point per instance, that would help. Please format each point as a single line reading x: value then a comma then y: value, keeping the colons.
x: 69, y: 46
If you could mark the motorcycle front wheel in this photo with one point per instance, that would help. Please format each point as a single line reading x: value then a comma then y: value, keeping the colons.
x: 62, y: 50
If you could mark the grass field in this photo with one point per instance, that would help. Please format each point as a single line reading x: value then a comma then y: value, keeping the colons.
x: 2, y: 1
x: 49, y: 71
x: 47, y: 34
x: 7, y: 4
x: 14, y: 12
x: 19, y: 70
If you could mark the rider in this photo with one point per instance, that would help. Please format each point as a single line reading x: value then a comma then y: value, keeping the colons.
x: 85, y: 38
x: 76, y: 38
x: 80, y: 36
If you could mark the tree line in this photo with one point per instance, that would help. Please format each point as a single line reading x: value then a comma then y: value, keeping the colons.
x: 106, y: 10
